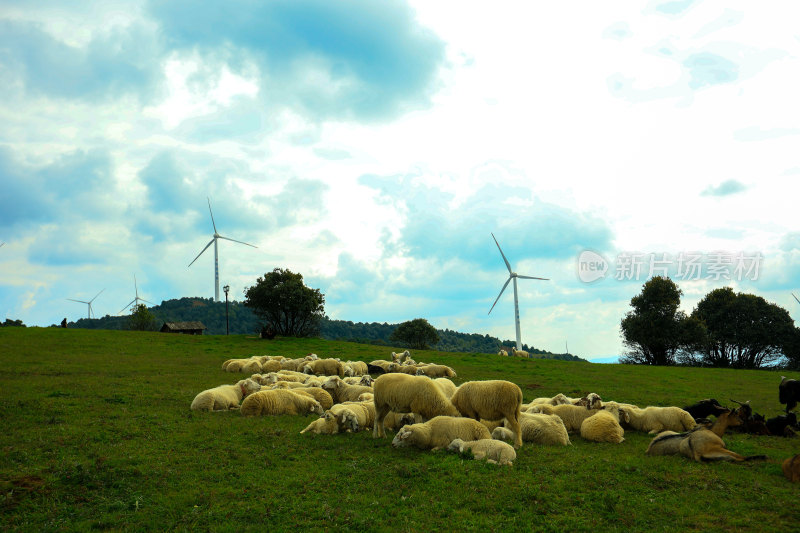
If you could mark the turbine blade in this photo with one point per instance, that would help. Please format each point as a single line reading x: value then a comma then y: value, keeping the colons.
x: 508, y: 266
x: 98, y: 294
x: 499, y: 295
x: 127, y: 306
x: 212, y: 215
x: 795, y: 297
x: 233, y: 240
x: 201, y: 251
x: 79, y: 301
x: 531, y: 277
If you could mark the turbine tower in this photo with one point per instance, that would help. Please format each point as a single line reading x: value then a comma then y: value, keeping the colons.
x: 89, y: 303
x: 136, y: 299
x: 511, y: 276
x: 216, y: 253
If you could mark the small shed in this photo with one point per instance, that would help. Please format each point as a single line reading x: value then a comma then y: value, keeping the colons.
x: 191, y: 328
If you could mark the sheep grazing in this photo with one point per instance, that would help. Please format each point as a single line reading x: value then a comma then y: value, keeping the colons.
x: 657, y: 419
x: 791, y: 468
x: 494, y: 451
x: 342, y: 392
x: 408, y: 394
x: 519, y: 353
x: 439, y: 432
x: 789, y: 392
x: 604, y: 426
x: 492, y: 400
x: 279, y: 402
x: 705, y: 408
x: 572, y: 415
x: 224, y: 397
x: 537, y: 428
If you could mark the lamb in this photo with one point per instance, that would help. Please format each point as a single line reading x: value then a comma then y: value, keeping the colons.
x: 439, y: 432
x: 604, y: 426
x: 519, y: 353
x: 657, y: 419
x: 538, y: 428
x: 494, y: 451
x: 324, y: 367
x: 342, y: 392
x: 436, y: 371
x: 279, y: 402
x: 408, y: 394
x: 225, y: 396
x: 492, y: 400
x: 572, y: 415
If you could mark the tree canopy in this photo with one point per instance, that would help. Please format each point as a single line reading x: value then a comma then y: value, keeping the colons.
x: 283, y: 301
x: 417, y: 334
x: 743, y: 330
x: 656, y: 331
x: 141, y: 319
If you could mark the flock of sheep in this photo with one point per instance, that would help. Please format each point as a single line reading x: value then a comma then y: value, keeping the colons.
x: 428, y: 411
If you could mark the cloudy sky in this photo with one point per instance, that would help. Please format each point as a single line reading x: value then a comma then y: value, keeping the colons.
x: 375, y: 147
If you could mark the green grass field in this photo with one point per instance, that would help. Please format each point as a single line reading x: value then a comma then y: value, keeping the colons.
x: 97, y: 434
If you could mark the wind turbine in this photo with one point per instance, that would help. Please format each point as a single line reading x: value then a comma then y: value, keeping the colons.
x: 795, y: 297
x: 89, y: 303
x: 216, y: 253
x: 136, y: 299
x: 511, y: 276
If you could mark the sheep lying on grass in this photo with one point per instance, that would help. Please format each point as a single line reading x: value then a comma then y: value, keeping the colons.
x: 494, y: 451
x: 439, y: 432
x: 408, y: 394
x: 604, y: 425
x: 519, y: 353
x: 248, y: 366
x: 342, y: 392
x: 538, y: 428
x: 502, y: 353
x: 492, y: 400
x: 572, y: 415
x: 357, y: 368
x: 358, y: 415
x: 558, y: 399
x: 324, y: 367
x: 436, y: 371
x: 318, y: 394
x: 327, y: 424
x: 279, y: 402
x: 225, y: 396
x: 657, y: 419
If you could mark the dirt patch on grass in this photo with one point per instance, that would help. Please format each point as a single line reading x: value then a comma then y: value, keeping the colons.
x: 531, y: 386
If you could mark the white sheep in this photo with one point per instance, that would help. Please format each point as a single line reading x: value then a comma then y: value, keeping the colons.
x: 604, y: 426
x: 590, y: 401
x: 225, y: 396
x: 327, y: 424
x: 358, y: 415
x: 248, y: 366
x: 408, y: 394
x: 558, y: 399
x: 366, y: 397
x: 322, y: 396
x: 400, y: 357
x: 519, y: 353
x: 279, y: 402
x: 439, y: 432
x: 435, y: 371
x: 342, y: 392
x: 492, y: 400
x: 357, y: 368
x: 324, y: 367
x: 447, y: 386
x: 537, y: 428
x: 572, y: 415
x: 657, y: 419
x: 494, y: 451
x: 502, y: 353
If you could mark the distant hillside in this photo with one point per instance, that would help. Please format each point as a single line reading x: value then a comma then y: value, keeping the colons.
x: 243, y: 321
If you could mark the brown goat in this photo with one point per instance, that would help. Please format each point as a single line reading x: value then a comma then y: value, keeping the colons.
x: 707, y: 445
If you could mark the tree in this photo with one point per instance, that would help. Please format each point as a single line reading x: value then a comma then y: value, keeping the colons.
x: 655, y: 331
x: 283, y: 302
x: 417, y: 334
x: 744, y: 330
x: 141, y: 319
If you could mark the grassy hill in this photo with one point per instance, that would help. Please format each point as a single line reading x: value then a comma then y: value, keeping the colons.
x: 98, y: 434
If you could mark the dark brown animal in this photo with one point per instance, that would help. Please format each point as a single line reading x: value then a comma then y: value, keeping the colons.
x: 791, y: 468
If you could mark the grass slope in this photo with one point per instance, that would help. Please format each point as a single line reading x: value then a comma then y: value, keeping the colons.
x: 98, y: 434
